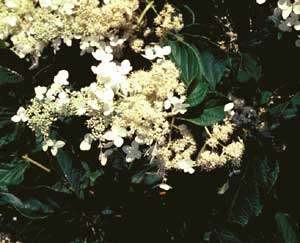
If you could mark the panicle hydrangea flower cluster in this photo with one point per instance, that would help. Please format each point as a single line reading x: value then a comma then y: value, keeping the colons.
x: 125, y: 110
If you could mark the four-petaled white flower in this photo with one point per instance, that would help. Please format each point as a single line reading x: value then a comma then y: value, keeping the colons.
x: 187, y: 166
x: 132, y: 152
x: 152, y: 53
x: 20, y: 116
x: 102, y: 55
x: 177, y: 105
x: 86, y: 143
x: 53, y: 144
x: 62, y: 77
x: 40, y: 92
x: 116, y: 134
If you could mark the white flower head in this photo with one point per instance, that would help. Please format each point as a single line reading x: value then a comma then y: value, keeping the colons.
x: 53, y: 144
x: 86, y: 143
x: 20, y: 116
x: 132, y: 152
x: 187, y: 166
x: 177, y: 105
x: 40, y: 91
x: 116, y: 134
x: 62, y: 77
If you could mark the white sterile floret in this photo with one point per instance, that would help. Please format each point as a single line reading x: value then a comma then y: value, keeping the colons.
x: 162, y: 51
x: 40, y: 91
x: 149, y: 53
x: 63, y: 99
x: 260, y: 1
x: 176, y: 104
x: 103, y: 157
x: 125, y: 67
x: 53, y: 144
x: 152, y: 53
x: 20, y: 116
x: 132, y: 152
x: 187, y: 166
x: 62, y: 77
x: 116, y: 134
x: 114, y: 40
x: 228, y: 107
x: 103, y: 56
x: 106, y: 1
x: 86, y: 143
x: 165, y: 186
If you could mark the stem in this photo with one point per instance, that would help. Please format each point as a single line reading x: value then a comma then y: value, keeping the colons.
x: 149, y: 5
x: 170, y: 134
x: 25, y: 157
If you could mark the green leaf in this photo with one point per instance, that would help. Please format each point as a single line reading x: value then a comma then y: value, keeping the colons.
x: 248, y: 68
x: 12, y: 174
x: 187, y: 59
x: 265, y: 97
x: 248, y: 199
x: 198, y: 94
x: 228, y: 237
x: 8, y: 76
x: 2, y: 44
x: 208, y: 117
x: 91, y: 175
x: 213, y: 68
x: 285, y: 228
x: 76, y: 179
x: 30, y: 208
